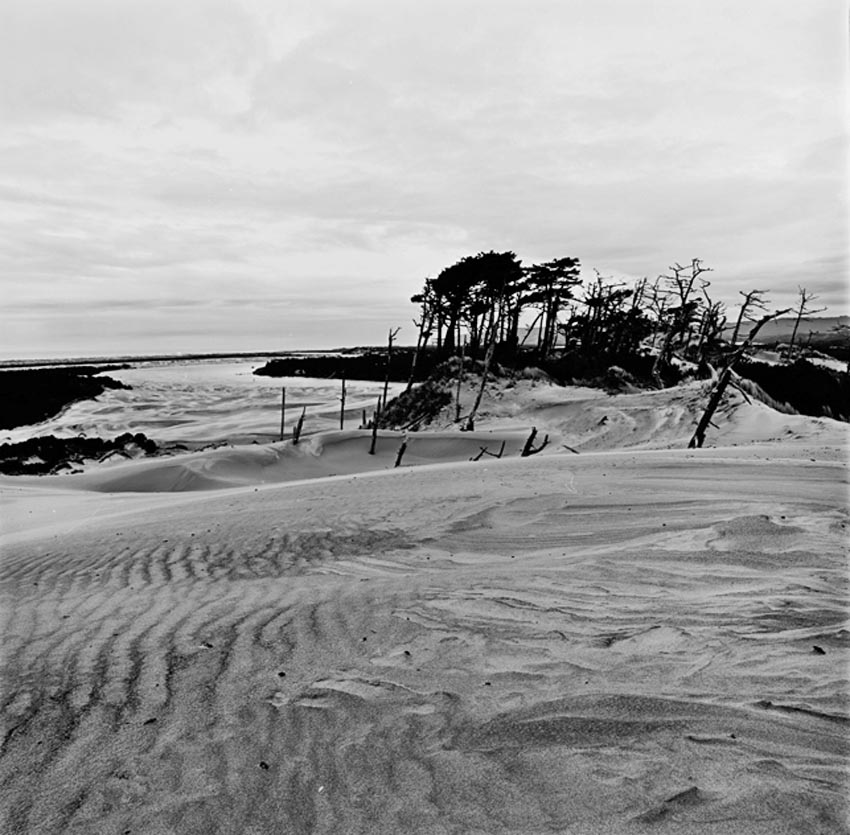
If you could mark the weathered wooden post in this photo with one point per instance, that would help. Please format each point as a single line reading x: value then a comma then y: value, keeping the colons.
x: 342, y: 406
x: 401, y: 450
x: 282, y: 410
x: 364, y: 424
x: 375, y: 428
x: 298, y: 426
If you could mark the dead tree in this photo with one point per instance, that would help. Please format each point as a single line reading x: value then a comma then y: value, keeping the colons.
x: 425, y: 328
x: 392, y: 336
x: 723, y: 381
x: 488, y: 358
x: 803, y: 311
x: 682, y: 285
x: 752, y: 300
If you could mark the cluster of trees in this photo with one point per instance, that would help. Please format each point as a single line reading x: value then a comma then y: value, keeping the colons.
x: 491, y: 304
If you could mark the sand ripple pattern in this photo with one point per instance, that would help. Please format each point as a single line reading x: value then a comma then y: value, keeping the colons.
x: 520, y: 648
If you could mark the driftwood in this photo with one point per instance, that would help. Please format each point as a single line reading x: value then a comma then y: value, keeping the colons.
x: 282, y: 410
x: 485, y: 451
x: 529, y: 448
x: 342, y: 405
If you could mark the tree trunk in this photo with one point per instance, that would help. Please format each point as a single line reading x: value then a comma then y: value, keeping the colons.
x: 488, y: 358
x: 723, y: 381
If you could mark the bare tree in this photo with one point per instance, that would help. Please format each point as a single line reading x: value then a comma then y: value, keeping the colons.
x: 806, y: 297
x: 752, y: 301
x: 425, y: 326
x: 488, y: 359
x: 392, y: 335
x: 683, y: 286
x: 723, y: 380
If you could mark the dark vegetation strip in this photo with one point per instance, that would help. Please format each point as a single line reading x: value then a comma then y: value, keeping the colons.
x: 810, y: 389
x: 35, y: 394
x: 49, y: 454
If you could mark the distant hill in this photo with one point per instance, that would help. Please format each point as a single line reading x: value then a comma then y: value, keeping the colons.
x: 779, y: 330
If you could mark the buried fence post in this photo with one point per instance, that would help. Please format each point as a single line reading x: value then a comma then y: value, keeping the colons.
x: 342, y: 406
x: 298, y: 426
x: 375, y: 428
x: 401, y: 450
x: 282, y: 410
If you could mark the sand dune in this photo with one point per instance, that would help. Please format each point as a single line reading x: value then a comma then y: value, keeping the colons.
x: 320, y: 455
x: 617, y: 641
x: 206, y: 402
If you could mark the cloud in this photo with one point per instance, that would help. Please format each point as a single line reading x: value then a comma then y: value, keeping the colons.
x: 215, y: 150
x: 98, y: 59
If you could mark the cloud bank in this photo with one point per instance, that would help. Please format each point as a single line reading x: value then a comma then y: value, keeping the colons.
x: 253, y: 176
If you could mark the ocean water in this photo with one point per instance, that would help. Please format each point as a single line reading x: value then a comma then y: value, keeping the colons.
x: 208, y: 401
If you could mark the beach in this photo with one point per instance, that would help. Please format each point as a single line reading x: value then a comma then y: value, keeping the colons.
x: 618, y: 634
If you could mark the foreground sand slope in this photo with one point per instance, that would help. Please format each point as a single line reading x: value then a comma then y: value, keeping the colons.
x: 605, y: 642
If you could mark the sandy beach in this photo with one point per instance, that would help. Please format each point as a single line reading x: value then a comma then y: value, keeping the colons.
x: 637, y: 637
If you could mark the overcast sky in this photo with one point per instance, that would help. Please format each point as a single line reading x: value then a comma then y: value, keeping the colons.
x: 250, y: 175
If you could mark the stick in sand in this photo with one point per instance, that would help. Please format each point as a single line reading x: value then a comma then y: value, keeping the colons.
x: 401, y: 450
x: 375, y: 428
x: 297, y: 434
x: 282, y: 410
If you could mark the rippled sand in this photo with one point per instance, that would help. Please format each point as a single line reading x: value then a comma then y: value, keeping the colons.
x: 596, y: 643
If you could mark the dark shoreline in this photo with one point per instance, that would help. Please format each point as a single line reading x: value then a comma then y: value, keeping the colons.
x: 32, y: 395
x: 17, y: 364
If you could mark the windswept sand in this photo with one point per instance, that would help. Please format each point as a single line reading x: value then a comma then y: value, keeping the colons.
x: 640, y: 640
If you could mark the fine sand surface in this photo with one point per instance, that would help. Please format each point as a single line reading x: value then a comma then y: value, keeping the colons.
x: 623, y: 640
x: 195, y: 402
